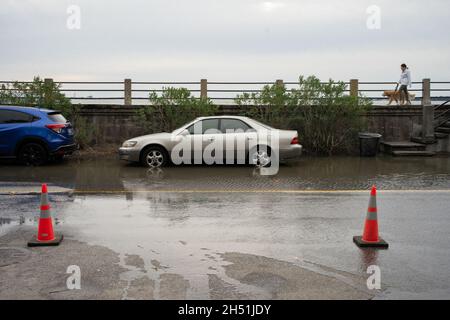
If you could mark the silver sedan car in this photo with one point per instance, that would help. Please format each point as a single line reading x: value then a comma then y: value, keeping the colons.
x: 215, y: 139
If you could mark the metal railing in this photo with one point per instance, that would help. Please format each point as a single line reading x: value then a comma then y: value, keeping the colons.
x: 442, y: 114
x: 129, y: 92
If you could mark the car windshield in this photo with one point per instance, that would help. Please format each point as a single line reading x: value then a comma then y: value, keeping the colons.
x: 184, y: 126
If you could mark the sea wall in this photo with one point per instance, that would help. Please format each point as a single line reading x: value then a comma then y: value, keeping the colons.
x: 115, y: 123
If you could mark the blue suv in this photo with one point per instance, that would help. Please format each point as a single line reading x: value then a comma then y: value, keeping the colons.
x: 34, y: 135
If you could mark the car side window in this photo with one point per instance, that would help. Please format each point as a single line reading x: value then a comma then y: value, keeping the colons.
x: 10, y: 116
x: 233, y: 125
x: 204, y: 126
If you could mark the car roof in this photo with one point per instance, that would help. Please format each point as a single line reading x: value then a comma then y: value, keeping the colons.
x: 33, y: 110
x: 225, y: 116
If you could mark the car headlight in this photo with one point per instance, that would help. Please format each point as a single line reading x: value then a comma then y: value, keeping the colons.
x: 129, y: 144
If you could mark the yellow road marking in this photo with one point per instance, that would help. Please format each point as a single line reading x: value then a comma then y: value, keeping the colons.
x: 257, y: 191
x: 304, y: 191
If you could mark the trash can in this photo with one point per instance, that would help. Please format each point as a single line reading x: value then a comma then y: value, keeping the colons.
x: 368, y: 144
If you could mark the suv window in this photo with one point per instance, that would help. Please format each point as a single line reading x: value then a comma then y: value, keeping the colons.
x: 209, y: 124
x: 10, y: 116
x: 233, y: 125
x: 56, y: 117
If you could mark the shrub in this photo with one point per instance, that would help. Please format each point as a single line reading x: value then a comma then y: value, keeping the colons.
x: 326, y: 118
x: 38, y: 93
x: 173, y: 108
x: 272, y: 105
x: 85, y: 134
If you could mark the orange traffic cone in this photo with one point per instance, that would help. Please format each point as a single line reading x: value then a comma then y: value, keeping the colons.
x: 370, y: 236
x: 45, y: 236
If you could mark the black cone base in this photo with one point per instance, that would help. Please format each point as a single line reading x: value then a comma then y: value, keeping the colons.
x: 35, y: 243
x: 363, y: 244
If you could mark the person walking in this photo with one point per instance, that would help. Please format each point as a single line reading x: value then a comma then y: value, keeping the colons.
x: 405, y: 82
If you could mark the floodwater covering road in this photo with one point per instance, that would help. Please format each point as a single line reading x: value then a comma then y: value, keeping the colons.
x: 221, y: 232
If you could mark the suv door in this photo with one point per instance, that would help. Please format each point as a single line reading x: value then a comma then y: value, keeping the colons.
x: 13, y: 126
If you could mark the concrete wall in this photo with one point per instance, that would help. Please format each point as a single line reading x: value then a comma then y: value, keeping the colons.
x: 442, y: 146
x: 113, y: 124
x: 397, y: 123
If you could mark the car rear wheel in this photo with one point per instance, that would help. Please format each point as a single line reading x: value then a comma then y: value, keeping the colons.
x: 154, y: 157
x: 260, y: 156
x: 33, y: 154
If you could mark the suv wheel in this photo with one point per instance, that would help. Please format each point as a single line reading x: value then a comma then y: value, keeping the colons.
x: 154, y: 157
x: 33, y: 154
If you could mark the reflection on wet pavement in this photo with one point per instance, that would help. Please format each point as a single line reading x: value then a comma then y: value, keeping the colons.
x: 335, y: 173
x: 251, y: 244
x: 186, y: 235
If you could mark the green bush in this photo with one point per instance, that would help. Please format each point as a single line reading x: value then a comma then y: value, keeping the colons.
x: 273, y: 105
x: 38, y: 93
x: 173, y: 108
x: 85, y: 134
x: 326, y: 118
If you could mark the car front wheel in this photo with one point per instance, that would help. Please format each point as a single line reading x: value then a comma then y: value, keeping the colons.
x: 154, y: 157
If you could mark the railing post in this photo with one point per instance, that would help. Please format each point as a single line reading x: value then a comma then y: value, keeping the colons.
x: 127, y: 92
x: 203, y: 88
x: 427, y: 113
x: 426, y: 92
x: 354, y: 87
x: 279, y: 83
x: 48, y: 91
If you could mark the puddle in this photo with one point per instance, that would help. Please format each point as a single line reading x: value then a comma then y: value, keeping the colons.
x: 323, y: 173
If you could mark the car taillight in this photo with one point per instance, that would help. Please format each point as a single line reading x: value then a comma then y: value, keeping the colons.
x: 56, y: 127
x: 294, y: 140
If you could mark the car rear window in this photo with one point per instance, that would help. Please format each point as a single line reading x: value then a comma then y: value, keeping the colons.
x: 56, y: 117
x: 263, y: 125
x: 233, y: 125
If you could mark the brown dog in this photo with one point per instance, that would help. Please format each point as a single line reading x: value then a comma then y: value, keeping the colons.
x: 397, y: 96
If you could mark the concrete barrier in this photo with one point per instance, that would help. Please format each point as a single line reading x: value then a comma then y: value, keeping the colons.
x: 115, y: 123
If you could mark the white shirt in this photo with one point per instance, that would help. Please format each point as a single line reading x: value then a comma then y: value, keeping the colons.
x: 405, y: 78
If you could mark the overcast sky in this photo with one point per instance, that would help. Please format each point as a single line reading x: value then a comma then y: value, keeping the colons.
x: 241, y: 40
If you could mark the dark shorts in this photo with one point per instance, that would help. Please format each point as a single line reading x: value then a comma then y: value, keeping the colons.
x: 404, y: 89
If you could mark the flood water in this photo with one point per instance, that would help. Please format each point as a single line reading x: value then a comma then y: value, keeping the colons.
x: 186, y: 218
x: 334, y: 173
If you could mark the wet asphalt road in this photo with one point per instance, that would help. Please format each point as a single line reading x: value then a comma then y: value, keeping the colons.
x: 227, y: 232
